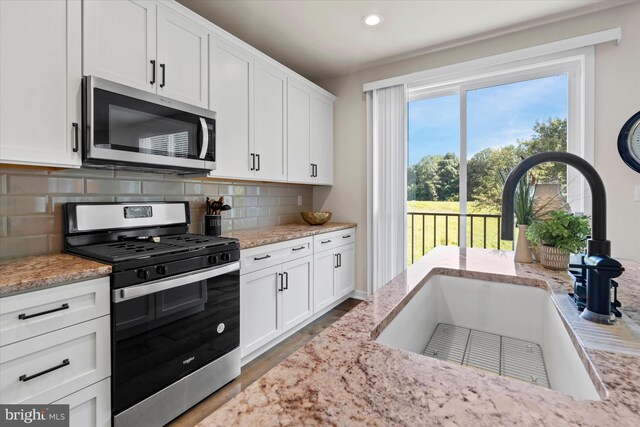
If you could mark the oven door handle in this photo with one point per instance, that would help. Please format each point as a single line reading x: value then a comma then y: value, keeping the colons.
x: 130, y: 292
x: 205, y: 138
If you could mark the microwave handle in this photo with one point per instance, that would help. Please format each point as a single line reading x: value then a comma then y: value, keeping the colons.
x: 130, y: 292
x: 205, y: 138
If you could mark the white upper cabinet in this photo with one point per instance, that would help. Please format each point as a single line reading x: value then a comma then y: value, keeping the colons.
x: 269, y: 122
x: 299, y: 133
x: 120, y: 42
x: 322, y: 140
x: 40, y: 80
x: 230, y: 96
x: 310, y: 135
x: 141, y: 44
x: 182, y: 59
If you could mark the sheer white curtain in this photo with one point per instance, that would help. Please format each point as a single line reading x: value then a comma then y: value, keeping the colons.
x: 386, y: 184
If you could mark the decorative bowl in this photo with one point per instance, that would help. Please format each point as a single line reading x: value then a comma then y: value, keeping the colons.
x: 316, y: 218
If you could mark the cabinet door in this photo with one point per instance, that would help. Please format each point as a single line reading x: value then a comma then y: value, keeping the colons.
x: 298, y: 133
x: 120, y: 41
x: 322, y: 139
x: 297, y: 294
x: 182, y: 59
x: 345, y: 273
x: 323, y: 290
x: 89, y: 407
x: 230, y: 96
x: 260, y: 301
x: 40, y: 81
x: 269, y: 122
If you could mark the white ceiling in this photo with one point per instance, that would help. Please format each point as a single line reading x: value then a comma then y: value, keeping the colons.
x: 325, y: 38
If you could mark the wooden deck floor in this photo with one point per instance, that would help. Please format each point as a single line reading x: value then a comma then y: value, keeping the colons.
x: 261, y: 365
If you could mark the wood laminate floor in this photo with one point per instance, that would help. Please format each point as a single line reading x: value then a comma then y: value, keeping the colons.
x: 261, y: 365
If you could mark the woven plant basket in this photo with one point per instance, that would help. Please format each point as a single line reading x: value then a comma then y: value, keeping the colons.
x: 553, y: 258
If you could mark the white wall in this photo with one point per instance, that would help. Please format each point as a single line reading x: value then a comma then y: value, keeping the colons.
x: 617, y: 95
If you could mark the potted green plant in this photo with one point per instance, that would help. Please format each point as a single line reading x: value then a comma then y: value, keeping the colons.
x: 523, y: 209
x: 558, y: 235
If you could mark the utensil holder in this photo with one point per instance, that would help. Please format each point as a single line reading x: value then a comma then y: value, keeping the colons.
x: 212, y: 225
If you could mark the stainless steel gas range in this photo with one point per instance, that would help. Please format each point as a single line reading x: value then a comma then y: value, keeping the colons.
x: 175, y: 305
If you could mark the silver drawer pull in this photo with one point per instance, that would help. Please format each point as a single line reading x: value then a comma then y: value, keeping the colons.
x: 25, y: 316
x: 347, y: 236
x: 298, y: 249
x: 261, y: 258
x: 64, y: 363
x: 325, y: 241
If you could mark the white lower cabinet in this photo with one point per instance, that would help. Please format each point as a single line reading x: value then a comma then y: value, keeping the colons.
x: 90, y: 406
x: 55, y: 348
x: 274, y: 300
x: 284, y: 285
x: 334, y: 275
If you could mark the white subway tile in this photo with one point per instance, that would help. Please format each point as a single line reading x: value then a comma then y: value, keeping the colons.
x: 35, y: 184
x: 138, y: 175
x: 30, y: 225
x: 12, y: 247
x: 56, y: 202
x: 245, y: 201
x: 206, y: 189
x: 84, y: 173
x: 268, y: 221
x: 111, y: 186
x: 244, y: 223
x: 162, y: 187
x: 138, y: 198
x: 268, y: 201
x: 3, y: 226
x: 3, y: 184
x: 23, y: 205
x: 257, y: 211
x: 55, y: 243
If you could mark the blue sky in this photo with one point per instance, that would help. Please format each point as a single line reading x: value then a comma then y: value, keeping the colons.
x: 496, y: 116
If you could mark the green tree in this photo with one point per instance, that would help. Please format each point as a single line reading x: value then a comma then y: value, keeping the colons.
x: 421, y: 179
x: 447, y: 182
x: 549, y: 136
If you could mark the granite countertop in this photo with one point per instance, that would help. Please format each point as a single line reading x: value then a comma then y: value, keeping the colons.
x: 31, y: 273
x: 343, y: 377
x: 265, y: 236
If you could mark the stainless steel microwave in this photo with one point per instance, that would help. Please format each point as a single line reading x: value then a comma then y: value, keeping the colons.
x: 127, y: 128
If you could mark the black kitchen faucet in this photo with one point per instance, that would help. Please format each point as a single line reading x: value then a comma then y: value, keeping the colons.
x: 599, y: 267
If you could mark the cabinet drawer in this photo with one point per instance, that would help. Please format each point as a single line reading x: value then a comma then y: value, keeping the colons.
x: 322, y: 242
x: 48, y: 367
x: 91, y: 406
x: 34, y: 313
x: 269, y: 255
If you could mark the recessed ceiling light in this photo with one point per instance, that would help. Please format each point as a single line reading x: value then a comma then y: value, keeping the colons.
x: 372, y: 19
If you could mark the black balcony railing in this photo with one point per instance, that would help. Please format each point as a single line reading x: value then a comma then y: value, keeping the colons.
x: 427, y: 230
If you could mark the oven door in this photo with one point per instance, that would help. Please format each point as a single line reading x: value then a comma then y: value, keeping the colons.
x: 127, y: 127
x: 165, y: 330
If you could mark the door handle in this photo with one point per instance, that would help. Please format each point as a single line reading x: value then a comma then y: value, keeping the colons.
x: 336, y: 264
x: 279, y: 276
x: 258, y: 157
x: 311, y: 170
x: 124, y: 294
x: 164, y: 75
x: 26, y: 377
x: 75, y: 137
x: 315, y: 166
x: 205, y: 138
x: 339, y: 260
x: 153, y: 72
x: 286, y: 277
x: 25, y: 316
x: 253, y: 161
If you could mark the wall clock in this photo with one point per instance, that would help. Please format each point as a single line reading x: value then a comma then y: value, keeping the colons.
x: 629, y: 142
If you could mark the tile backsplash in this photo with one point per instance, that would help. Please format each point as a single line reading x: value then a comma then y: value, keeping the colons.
x: 31, y: 214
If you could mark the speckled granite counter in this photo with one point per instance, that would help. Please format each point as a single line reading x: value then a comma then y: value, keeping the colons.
x: 343, y: 377
x: 279, y: 233
x: 31, y: 273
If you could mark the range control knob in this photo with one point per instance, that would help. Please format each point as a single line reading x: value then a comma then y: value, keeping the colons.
x: 161, y: 269
x: 142, y: 273
x: 225, y: 257
x: 213, y: 259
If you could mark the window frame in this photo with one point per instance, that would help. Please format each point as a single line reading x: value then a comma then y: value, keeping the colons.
x: 577, y: 64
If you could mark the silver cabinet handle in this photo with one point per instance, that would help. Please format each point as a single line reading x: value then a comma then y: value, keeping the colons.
x: 124, y: 294
x: 205, y: 138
